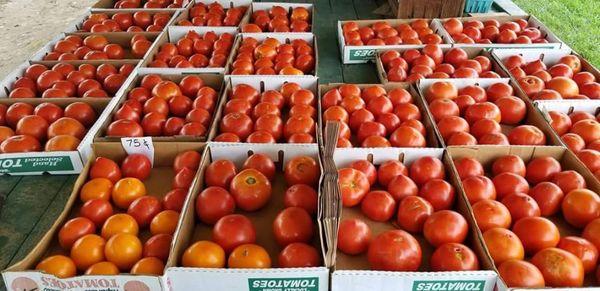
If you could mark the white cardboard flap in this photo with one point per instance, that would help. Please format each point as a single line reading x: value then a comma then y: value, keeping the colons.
x: 344, y: 156
x: 177, y: 32
x: 267, y: 5
x: 272, y: 82
x: 568, y: 105
x: 227, y: 3
x: 34, y: 280
x: 238, y: 152
x: 282, y: 37
x: 423, y: 84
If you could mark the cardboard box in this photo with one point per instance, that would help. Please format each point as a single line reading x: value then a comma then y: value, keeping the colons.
x: 352, y: 54
x: 76, y: 26
x: 533, y: 116
x: 261, y: 83
x: 59, y: 162
x: 431, y: 136
x: 185, y: 14
x: 283, y: 38
x: 471, y: 52
x: 175, y: 33
x: 257, y: 6
x: 215, y: 81
x: 110, y: 5
x: 190, y: 231
x: 553, y: 41
x: 158, y: 183
x: 568, y: 161
x: 429, y: 8
x: 353, y: 272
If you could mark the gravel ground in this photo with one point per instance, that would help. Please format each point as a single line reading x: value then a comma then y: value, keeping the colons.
x: 27, y: 25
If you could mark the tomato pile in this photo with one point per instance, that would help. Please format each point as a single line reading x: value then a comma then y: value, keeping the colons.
x: 381, y: 33
x: 96, y: 47
x: 256, y: 117
x: 271, y: 57
x: 195, y: 51
x: 373, y: 117
x: 45, y: 127
x: 432, y: 63
x: 104, y: 237
x: 128, y: 4
x: 278, y: 19
x: 580, y: 131
x: 126, y: 21
x: 65, y: 80
x: 473, y: 115
x: 421, y: 201
x: 563, y: 80
x: 160, y: 107
x: 234, y: 237
x: 491, y: 31
x: 213, y: 14
x: 521, y: 195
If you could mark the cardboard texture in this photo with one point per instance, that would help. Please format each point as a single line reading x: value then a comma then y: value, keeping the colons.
x: 175, y: 33
x: 158, y: 184
x: 257, y: 6
x: 283, y: 38
x: 533, y: 116
x: 215, y: 81
x: 190, y: 231
x: 261, y: 83
x: 353, y: 272
x: 76, y: 26
x: 185, y: 14
x: 363, y: 54
x: 553, y: 40
x: 431, y: 136
x: 59, y: 162
x: 471, y: 52
x: 429, y: 8
x: 568, y: 161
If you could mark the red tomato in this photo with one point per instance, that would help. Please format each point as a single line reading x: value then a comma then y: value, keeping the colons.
x: 468, y: 167
x: 503, y: 245
x: 105, y: 168
x: 478, y: 188
x: 136, y: 166
x: 548, y: 197
x: 302, y: 170
x: 521, y: 205
x: 568, y: 180
x: 490, y: 214
x: 394, y: 250
x: 354, y: 185
x: 250, y: 189
x: 536, y: 233
x: 425, y: 169
x: 542, y: 169
x: 73, y: 229
x: 389, y: 170
x: 439, y: 193
x: 354, y: 236
x: 213, y: 203
x: 453, y: 257
x: 158, y: 246
x: 143, y: 209
x: 291, y: 225
x: 583, y: 249
x: 509, y: 163
x: 509, y: 183
x: 445, y: 226
x: 521, y: 274
x: 233, y: 230
x: 96, y: 210
x: 367, y: 168
x: 175, y: 199
x: 413, y: 212
x: 183, y: 179
x: 301, y: 195
x: 378, y: 205
x: 559, y: 268
x: 581, y: 206
x: 220, y: 173
x: 299, y: 255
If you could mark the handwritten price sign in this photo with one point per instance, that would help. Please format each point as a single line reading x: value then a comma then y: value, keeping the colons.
x: 139, y: 145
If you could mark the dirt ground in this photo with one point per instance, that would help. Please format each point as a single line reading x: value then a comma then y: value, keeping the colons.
x: 27, y: 25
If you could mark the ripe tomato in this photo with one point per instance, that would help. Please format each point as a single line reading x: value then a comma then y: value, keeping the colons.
x: 96, y: 210
x: 175, y: 199
x: 520, y: 274
x: 213, y: 203
x: 354, y: 236
x: 490, y: 214
x: 542, y: 169
x: 302, y: 170
x: 136, y: 166
x: 126, y: 190
x: 233, y: 230
x: 220, y: 173
x: 249, y: 256
x: 97, y: 188
x: 354, y: 185
x: 394, y: 250
x: 88, y: 250
x: 509, y: 183
x: 478, y: 188
x: 148, y: 266
x: 158, y: 246
x: 548, y: 197
x: 509, y: 163
x: 439, y: 193
x: 468, y: 167
x: 102, y: 268
x: 401, y: 187
x: 301, y: 195
x: 261, y: 163
x: 559, y: 268
x: 413, y: 212
x: 183, y: 179
x: 453, y: 257
x: 367, y: 168
x: 536, y: 233
x: 119, y: 223
x: 378, y: 205
x: 583, y: 249
x: 445, y: 226
x: 204, y: 254
x: 299, y: 255
x: 250, y: 189
x: 425, y: 169
x: 291, y: 225
x: 74, y: 229
x: 521, y: 205
x: 143, y: 209
x: 105, y: 168
x: 164, y: 222
x: 503, y: 245
x: 57, y: 265
x: 580, y: 206
x: 388, y: 170
x: 124, y: 250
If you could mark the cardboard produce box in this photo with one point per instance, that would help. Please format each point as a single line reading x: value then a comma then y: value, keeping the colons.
x: 431, y: 136
x: 22, y: 274
x: 257, y: 6
x: 262, y: 84
x: 190, y: 231
x: 214, y: 81
x: 553, y: 41
x: 185, y: 14
x: 110, y: 5
x: 77, y: 25
x: 471, y: 52
x: 283, y: 38
x: 533, y: 117
x: 59, y: 162
x: 175, y: 33
x: 353, y: 272
x: 567, y: 107
x: 568, y: 161
x: 364, y: 53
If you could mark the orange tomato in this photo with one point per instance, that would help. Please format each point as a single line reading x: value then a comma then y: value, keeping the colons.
x: 97, y: 188
x: 249, y: 256
x: 165, y: 222
x: 119, y: 223
x: 59, y: 266
x: 124, y: 250
x: 148, y: 266
x: 88, y: 250
x: 102, y: 268
x: 126, y: 190
x: 204, y: 254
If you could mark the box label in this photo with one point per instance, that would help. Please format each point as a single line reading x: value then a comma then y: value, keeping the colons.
x: 283, y: 284
x: 447, y: 285
x: 362, y: 54
x: 36, y: 164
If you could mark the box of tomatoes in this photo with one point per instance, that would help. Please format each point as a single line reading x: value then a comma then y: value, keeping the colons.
x: 174, y: 5
x: 46, y: 135
x: 360, y: 40
x: 404, y: 224
x: 536, y: 210
x: 224, y: 13
x: 489, y: 111
x: 116, y: 229
x: 252, y: 221
x: 190, y: 50
x: 279, y: 17
x: 123, y: 21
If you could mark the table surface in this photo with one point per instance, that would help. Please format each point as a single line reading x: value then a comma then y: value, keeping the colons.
x: 30, y: 204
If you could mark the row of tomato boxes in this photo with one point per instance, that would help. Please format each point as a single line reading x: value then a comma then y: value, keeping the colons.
x: 196, y: 215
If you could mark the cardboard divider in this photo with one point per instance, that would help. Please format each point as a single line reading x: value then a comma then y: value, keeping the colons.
x: 471, y: 53
x: 57, y: 162
x: 433, y: 139
x: 175, y: 33
x: 191, y: 230
x: 533, y: 116
x: 283, y: 38
x: 157, y: 184
x: 553, y: 40
x: 76, y: 26
x: 363, y: 54
x: 353, y: 272
x: 261, y: 83
x: 185, y: 14
x: 214, y: 81
x: 257, y: 6
x: 568, y: 161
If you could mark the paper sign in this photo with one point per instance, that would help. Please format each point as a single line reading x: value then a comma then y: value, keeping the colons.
x: 139, y: 145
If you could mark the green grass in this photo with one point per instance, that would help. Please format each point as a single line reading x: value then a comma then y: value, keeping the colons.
x: 575, y: 22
